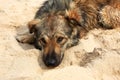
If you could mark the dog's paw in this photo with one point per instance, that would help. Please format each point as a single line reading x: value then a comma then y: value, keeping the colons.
x: 104, y: 17
x: 109, y: 17
x: 21, y: 39
x: 25, y: 38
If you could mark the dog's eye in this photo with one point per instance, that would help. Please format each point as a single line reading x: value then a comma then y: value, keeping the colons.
x: 43, y: 41
x: 60, y: 39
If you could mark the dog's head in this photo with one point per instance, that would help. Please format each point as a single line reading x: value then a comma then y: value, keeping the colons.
x: 53, y: 34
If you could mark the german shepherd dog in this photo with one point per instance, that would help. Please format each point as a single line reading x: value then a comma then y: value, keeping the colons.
x: 59, y: 24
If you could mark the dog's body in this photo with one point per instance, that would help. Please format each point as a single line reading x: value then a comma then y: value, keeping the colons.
x: 59, y: 24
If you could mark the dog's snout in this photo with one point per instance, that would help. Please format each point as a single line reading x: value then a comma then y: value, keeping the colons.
x: 51, y: 62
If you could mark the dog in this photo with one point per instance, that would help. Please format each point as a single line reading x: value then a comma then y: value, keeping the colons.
x: 59, y: 24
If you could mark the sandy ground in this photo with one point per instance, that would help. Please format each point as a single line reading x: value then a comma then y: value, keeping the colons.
x: 97, y: 57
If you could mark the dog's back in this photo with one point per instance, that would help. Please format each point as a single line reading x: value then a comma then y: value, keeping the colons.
x: 89, y: 10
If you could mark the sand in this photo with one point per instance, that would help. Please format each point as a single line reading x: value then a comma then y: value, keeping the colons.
x: 97, y: 57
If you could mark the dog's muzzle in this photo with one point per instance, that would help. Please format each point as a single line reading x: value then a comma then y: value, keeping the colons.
x: 52, y: 60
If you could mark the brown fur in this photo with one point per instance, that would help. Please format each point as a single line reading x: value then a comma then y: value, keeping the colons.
x: 110, y: 14
x: 59, y: 24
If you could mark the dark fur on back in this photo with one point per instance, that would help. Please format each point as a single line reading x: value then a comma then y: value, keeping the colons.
x: 88, y: 9
x: 53, y: 6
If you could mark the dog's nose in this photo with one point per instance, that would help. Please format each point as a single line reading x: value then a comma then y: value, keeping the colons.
x: 51, y: 62
x: 51, y: 59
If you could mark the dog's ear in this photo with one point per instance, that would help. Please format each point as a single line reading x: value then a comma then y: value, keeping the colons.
x: 32, y: 25
x: 74, y: 16
x: 75, y: 20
